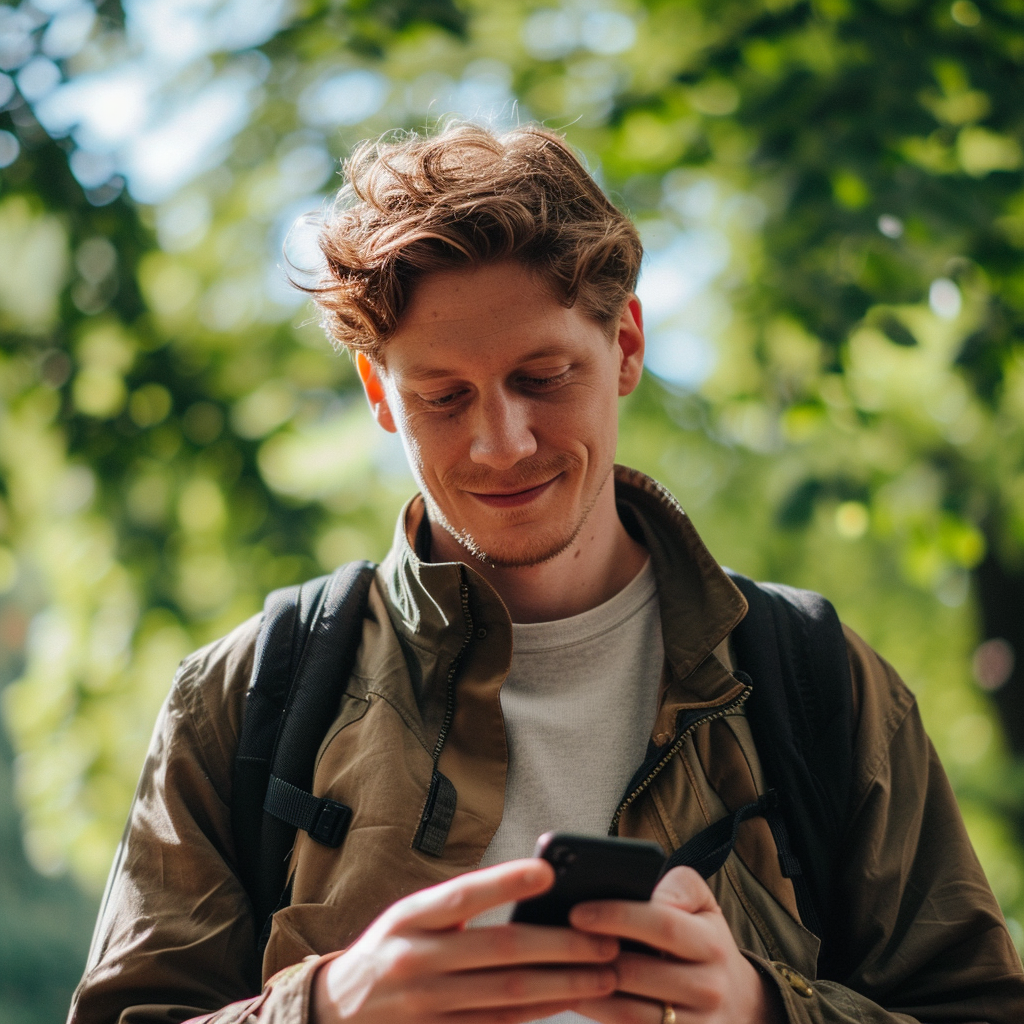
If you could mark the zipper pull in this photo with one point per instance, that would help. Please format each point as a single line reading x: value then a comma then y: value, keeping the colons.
x: 438, y: 812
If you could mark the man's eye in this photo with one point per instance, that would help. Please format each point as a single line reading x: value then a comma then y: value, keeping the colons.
x: 440, y: 401
x: 540, y: 383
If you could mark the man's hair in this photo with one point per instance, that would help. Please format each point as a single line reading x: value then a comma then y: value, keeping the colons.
x: 463, y: 197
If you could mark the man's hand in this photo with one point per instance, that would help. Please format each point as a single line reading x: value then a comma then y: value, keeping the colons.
x: 419, y: 963
x: 701, y: 974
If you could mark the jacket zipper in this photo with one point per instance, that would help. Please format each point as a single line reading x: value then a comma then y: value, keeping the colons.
x: 449, y: 711
x: 687, y: 730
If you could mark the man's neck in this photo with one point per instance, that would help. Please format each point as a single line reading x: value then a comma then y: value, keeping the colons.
x: 600, y: 561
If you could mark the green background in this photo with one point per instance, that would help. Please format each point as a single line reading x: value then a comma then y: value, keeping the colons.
x: 831, y: 198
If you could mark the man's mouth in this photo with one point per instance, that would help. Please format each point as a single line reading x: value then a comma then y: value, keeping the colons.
x: 512, y: 499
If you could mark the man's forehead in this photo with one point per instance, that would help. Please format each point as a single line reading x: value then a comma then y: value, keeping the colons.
x: 477, y: 315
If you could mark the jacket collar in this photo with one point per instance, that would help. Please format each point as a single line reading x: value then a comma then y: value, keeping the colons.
x: 700, y: 605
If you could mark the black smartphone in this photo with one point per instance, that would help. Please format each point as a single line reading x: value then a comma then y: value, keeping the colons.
x: 590, y: 868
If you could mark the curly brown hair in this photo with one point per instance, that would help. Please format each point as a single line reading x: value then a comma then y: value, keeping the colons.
x: 465, y: 196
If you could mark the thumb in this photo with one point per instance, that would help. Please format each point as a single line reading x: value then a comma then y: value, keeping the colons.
x: 685, y: 889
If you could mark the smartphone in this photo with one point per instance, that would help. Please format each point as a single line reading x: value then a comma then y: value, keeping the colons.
x: 590, y: 868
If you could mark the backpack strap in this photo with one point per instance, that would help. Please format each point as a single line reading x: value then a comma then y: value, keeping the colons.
x: 304, y: 655
x: 791, y: 649
x: 800, y: 711
x: 709, y: 849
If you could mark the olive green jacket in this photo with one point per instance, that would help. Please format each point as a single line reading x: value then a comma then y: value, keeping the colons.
x: 175, y: 938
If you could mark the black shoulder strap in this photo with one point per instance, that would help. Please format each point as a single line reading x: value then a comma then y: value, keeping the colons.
x: 791, y: 644
x: 304, y: 655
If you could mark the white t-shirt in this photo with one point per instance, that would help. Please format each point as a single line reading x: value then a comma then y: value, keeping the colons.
x: 579, y: 704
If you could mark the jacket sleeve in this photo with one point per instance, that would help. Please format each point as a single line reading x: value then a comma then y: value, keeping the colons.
x: 926, y: 938
x: 175, y: 937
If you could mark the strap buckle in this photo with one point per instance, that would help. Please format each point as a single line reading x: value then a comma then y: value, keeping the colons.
x: 325, y: 820
x: 330, y: 823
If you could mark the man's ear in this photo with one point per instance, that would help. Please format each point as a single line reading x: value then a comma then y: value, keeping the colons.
x: 630, y: 341
x: 375, y: 393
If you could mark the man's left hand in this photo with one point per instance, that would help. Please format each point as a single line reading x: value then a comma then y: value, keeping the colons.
x: 701, y: 974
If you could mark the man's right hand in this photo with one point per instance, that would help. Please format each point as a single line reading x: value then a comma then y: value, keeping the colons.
x: 419, y: 963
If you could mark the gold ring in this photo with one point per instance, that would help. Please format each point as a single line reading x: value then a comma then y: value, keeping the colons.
x: 668, y: 1014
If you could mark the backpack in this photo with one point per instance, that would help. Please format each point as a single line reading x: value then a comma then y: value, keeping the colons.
x: 790, y: 645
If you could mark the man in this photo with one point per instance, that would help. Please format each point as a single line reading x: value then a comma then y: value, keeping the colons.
x: 542, y: 618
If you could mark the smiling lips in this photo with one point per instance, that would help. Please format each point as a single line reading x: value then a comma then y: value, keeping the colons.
x: 513, y: 499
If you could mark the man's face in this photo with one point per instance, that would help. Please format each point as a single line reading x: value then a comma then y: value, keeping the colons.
x: 507, y: 404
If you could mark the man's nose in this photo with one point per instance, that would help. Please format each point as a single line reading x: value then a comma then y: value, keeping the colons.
x: 502, y: 434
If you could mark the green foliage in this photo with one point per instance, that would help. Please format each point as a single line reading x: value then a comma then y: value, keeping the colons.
x: 47, y: 924
x: 176, y: 438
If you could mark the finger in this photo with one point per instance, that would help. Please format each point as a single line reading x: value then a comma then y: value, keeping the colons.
x: 618, y: 1009
x: 682, y: 887
x: 686, y: 986
x: 661, y: 925
x: 513, y: 944
x: 510, y: 1014
x: 513, y: 987
x: 456, y: 901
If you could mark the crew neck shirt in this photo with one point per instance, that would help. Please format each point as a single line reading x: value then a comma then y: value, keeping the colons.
x: 579, y: 705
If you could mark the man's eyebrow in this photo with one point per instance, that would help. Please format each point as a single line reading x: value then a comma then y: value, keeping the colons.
x: 429, y: 373
x: 416, y: 372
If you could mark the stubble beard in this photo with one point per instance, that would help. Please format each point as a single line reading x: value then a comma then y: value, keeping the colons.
x: 544, y: 545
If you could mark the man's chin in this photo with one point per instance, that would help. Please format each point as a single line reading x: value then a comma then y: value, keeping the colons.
x: 509, y: 553
x: 521, y: 542
x: 523, y: 560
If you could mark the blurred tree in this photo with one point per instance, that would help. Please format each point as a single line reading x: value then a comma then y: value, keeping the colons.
x: 832, y: 201
x: 47, y: 924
